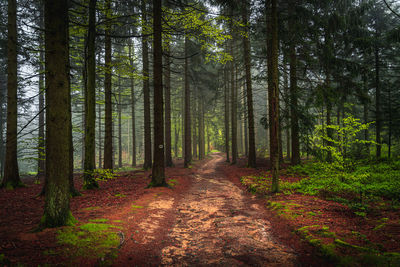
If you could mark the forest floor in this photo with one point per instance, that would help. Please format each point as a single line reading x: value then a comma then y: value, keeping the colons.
x: 207, y: 217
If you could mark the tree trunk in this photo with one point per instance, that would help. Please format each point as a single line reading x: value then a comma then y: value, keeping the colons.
x: 187, y: 135
x: 158, y: 175
x: 11, y: 173
x: 201, y: 128
x: 108, y: 126
x: 287, y: 109
x: 365, y: 111
x: 58, y: 117
x: 133, y: 102
x: 226, y: 117
x: 390, y: 122
x: 73, y: 192
x: 194, y: 128
x: 1, y: 134
x: 146, y: 93
x: 99, y: 133
x: 249, y: 91
x: 41, y: 142
x: 293, y: 89
x: 90, y: 103
x: 378, y: 124
x: 119, y: 106
x: 273, y: 92
x: 167, y: 77
x: 245, y: 124
x: 233, y: 108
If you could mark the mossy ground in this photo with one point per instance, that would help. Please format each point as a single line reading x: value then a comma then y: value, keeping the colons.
x: 93, y: 240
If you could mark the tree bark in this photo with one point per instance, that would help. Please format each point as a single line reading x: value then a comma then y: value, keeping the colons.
x: 133, y: 102
x: 287, y: 109
x: 378, y: 124
x: 58, y: 128
x: 233, y: 108
x: 158, y: 172
x: 108, y: 126
x: 273, y: 92
x: 41, y: 142
x: 11, y: 177
x: 119, y: 108
x: 194, y: 119
x: 201, y: 127
x: 226, y: 117
x: 146, y: 93
x: 167, y: 77
x: 99, y: 133
x: 293, y: 88
x: 187, y: 135
x: 90, y: 103
x: 249, y: 91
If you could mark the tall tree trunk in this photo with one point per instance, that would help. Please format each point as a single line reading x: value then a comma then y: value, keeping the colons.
x: 378, y: 124
x: 201, y: 128
x: 287, y: 108
x: 90, y: 103
x: 119, y: 106
x: 11, y: 173
x: 167, y: 77
x: 273, y: 92
x: 146, y: 93
x: 1, y: 134
x: 58, y: 130
x: 245, y: 124
x: 41, y: 142
x: 99, y: 133
x: 249, y: 90
x: 73, y: 192
x: 390, y: 122
x: 233, y: 109
x: 133, y: 102
x: 226, y: 117
x: 194, y: 128
x: 187, y: 135
x: 108, y: 126
x: 176, y: 140
x: 158, y: 172
x: 293, y: 88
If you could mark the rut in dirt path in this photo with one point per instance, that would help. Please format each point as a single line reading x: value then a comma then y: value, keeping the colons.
x: 218, y: 224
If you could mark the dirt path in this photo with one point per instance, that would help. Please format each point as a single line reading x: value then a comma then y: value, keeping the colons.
x: 214, y: 223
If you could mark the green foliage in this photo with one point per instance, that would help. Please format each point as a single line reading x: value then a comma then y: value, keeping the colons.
x: 365, y: 184
x: 342, y: 146
x: 172, y: 182
x: 104, y: 174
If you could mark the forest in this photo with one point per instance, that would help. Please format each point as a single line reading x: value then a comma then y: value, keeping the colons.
x: 200, y: 133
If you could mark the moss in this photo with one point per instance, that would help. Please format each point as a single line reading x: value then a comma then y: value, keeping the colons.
x: 135, y: 207
x: 71, y: 221
x: 342, y: 243
x: 172, y: 182
x: 4, y: 261
x: 90, y: 240
x: 119, y: 195
x: 100, y: 220
x: 92, y: 208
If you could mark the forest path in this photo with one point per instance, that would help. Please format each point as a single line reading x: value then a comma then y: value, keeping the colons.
x: 218, y: 224
x: 213, y: 222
